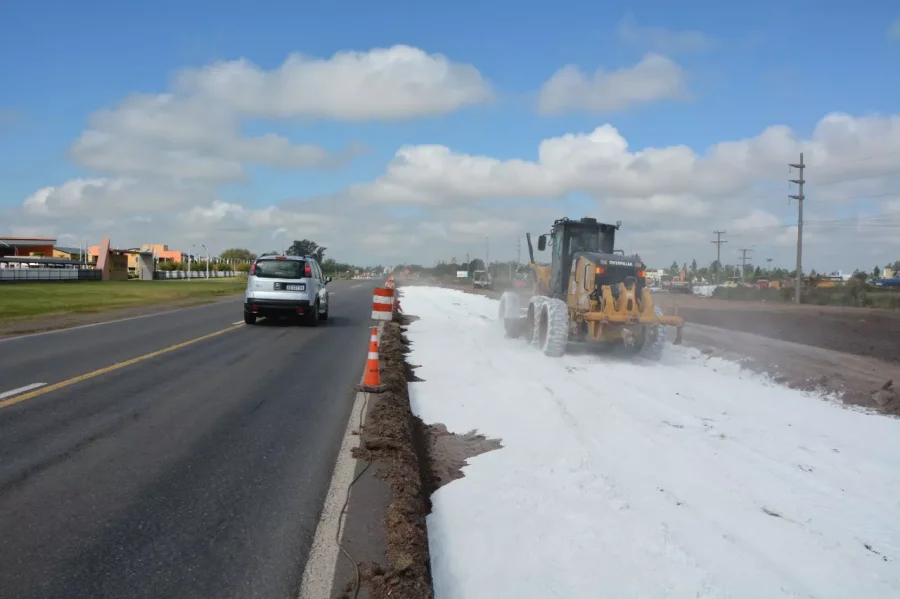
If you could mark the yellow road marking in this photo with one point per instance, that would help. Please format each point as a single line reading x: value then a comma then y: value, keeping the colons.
x: 83, y: 377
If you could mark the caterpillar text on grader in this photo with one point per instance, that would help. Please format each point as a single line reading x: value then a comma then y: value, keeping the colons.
x: 589, y: 293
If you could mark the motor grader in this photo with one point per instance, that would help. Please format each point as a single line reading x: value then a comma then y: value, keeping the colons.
x: 590, y: 293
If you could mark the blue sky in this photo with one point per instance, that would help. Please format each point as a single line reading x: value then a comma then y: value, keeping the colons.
x: 769, y: 63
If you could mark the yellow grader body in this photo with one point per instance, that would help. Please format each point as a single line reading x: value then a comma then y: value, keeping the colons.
x: 607, y: 317
x: 588, y: 294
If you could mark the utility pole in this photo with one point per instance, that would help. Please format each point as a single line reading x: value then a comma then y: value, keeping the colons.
x: 799, y: 197
x: 518, y: 251
x: 743, y: 252
x: 718, y: 243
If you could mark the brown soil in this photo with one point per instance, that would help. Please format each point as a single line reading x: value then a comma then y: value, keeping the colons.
x: 414, y: 460
x: 392, y: 439
x: 857, y: 380
x: 861, y: 331
x: 448, y: 452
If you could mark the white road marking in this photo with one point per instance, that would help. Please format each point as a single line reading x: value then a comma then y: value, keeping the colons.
x: 238, y: 322
x: 12, y: 392
x: 357, y: 286
x: 98, y: 324
x: 321, y: 564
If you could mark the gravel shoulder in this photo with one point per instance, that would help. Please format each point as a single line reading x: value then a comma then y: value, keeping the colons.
x: 862, y: 331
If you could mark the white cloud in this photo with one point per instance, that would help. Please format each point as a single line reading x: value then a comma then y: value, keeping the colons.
x: 270, y: 217
x: 394, y: 83
x: 754, y: 221
x: 186, y: 138
x: 668, y: 180
x: 101, y: 197
x: 660, y: 39
x: 654, y: 78
x: 670, y: 199
x: 193, y: 132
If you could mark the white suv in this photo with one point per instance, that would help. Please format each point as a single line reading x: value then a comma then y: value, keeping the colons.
x: 286, y: 286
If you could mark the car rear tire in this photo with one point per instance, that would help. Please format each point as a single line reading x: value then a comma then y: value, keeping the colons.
x: 313, y: 317
x: 249, y: 318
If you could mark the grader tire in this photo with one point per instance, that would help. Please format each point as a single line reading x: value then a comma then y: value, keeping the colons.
x: 552, y: 328
x: 509, y: 313
x: 534, y: 312
x: 654, y: 339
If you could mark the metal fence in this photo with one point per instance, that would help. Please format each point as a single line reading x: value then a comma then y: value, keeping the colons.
x: 36, y: 275
x: 180, y: 274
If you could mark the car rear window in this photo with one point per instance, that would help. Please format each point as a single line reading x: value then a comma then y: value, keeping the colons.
x: 280, y: 269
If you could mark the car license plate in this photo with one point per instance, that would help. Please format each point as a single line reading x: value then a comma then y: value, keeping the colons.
x: 297, y: 287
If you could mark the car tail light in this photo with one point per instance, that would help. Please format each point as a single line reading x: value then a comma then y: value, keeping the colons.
x: 299, y: 310
x: 600, y: 270
x: 641, y: 274
x: 255, y: 308
x: 253, y: 269
x: 280, y: 257
x: 307, y: 271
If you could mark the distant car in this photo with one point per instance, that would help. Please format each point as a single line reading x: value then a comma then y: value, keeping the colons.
x: 482, y: 280
x: 286, y: 286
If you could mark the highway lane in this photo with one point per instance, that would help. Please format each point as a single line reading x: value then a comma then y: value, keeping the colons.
x: 200, y: 472
x: 50, y: 357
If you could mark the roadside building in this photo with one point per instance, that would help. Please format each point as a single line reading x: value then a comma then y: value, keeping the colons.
x: 67, y: 253
x: 39, y: 247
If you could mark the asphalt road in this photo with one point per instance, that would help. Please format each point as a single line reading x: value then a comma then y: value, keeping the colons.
x: 198, y: 472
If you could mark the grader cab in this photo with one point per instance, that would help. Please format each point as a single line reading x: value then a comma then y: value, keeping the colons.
x: 589, y: 293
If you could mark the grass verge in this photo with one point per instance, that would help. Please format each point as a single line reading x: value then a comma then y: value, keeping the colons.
x: 29, y: 300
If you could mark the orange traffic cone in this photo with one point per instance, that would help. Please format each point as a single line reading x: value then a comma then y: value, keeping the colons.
x: 372, y: 379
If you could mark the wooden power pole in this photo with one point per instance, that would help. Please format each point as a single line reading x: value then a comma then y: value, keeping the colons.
x: 718, y: 241
x: 799, y: 197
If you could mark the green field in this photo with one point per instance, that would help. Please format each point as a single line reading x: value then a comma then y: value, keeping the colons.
x: 26, y: 300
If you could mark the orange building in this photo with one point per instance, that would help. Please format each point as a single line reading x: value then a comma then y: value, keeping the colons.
x: 162, y: 252
x: 41, y: 247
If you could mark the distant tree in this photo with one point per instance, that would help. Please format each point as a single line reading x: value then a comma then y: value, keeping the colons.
x: 673, y: 270
x: 757, y: 274
x: 269, y: 253
x: 476, y: 264
x: 876, y: 273
x: 693, y: 266
x: 306, y: 247
x: 237, y: 255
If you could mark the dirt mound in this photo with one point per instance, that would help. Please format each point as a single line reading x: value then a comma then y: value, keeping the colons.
x: 448, y: 452
x: 391, y: 440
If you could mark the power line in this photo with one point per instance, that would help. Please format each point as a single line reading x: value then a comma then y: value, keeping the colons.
x: 799, y: 197
x: 718, y: 241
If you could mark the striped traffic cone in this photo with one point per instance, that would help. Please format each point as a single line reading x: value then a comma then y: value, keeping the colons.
x: 372, y: 379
